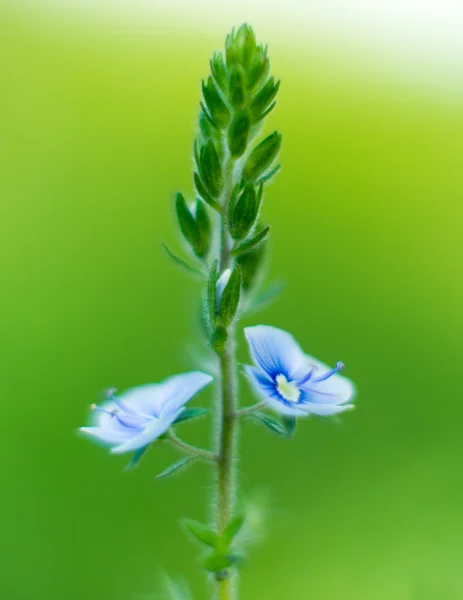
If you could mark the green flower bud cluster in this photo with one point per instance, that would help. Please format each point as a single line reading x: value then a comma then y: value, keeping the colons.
x: 230, y: 174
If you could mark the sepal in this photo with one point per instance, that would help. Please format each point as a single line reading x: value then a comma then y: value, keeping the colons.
x: 230, y: 298
x: 175, y: 467
x: 244, y: 213
x: 219, y: 111
x: 238, y: 133
x: 211, y: 169
x: 262, y: 157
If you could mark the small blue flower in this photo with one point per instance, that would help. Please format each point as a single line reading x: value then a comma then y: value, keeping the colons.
x: 141, y: 414
x: 289, y: 381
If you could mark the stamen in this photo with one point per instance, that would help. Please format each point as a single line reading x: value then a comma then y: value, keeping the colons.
x: 116, y: 416
x: 306, y: 377
x: 339, y: 366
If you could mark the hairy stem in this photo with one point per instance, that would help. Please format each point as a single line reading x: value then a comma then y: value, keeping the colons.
x: 189, y: 448
x: 226, y: 409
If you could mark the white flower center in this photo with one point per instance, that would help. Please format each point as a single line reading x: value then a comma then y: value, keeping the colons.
x: 287, y: 389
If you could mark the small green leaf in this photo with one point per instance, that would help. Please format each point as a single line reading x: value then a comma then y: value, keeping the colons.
x: 252, y: 243
x: 202, y: 532
x: 187, y: 222
x: 232, y: 201
x: 211, y: 294
x: 264, y: 98
x: 289, y: 423
x: 136, y: 458
x: 175, y: 467
x: 244, y: 214
x: 238, y: 133
x: 262, y: 157
x: 190, y: 413
x: 232, y: 530
x: 217, y: 107
x: 270, y: 174
x: 203, y: 224
x: 219, y: 71
x: 180, y: 262
x: 258, y: 70
x: 211, y: 169
x: 230, y: 298
x: 219, y: 562
x: 202, y: 191
x: 236, y: 87
x: 271, y: 424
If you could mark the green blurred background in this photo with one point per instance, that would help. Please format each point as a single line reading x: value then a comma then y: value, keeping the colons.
x: 96, y: 127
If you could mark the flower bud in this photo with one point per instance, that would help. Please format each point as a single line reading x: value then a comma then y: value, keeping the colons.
x: 258, y: 69
x: 262, y: 157
x: 244, y: 213
x: 245, y: 43
x: 219, y: 71
x: 211, y: 169
x: 238, y: 134
x: 236, y: 92
x: 264, y: 98
x: 217, y: 107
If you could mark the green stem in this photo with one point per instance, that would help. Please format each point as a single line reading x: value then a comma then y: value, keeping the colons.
x: 189, y: 448
x: 227, y: 407
x: 248, y: 410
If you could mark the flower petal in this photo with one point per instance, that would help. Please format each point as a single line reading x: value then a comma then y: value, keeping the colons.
x: 325, y: 410
x: 172, y: 393
x: 152, y: 431
x: 337, y: 389
x: 107, y: 436
x: 180, y: 389
x: 274, y: 350
x: 266, y: 389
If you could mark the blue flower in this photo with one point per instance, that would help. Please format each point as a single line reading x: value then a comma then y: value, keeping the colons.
x: 141, y: 414
x: 289, y: 381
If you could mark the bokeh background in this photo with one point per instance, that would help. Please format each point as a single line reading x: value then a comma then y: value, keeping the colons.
x: 97, y: 115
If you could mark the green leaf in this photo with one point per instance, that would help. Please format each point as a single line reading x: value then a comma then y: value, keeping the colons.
x: 136, y: 458
x: 203, y: 224
x: 262, y: 157
x: 217, y: 107
x: 219, y: 562
x: 175, y: 467
x: 232, y: 201
x: 258, y: 70
x: 202, y: 532
x: 270, y: 174
x: 230, y: 298
x: 244, y: 214
x: 187, y: 222
x: 252, y: 243
x: 271, y: 424
x: 264, y: 98
x: 202, y: 191
x: 211, y: 169
x: 180, y: 262
x: 289, y: 423
x: 190, y: 413
x: 232, y: 530
x: 211, y: 294
x: 236, y: 87
x: 238, y: 133
x: 219, y: 71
